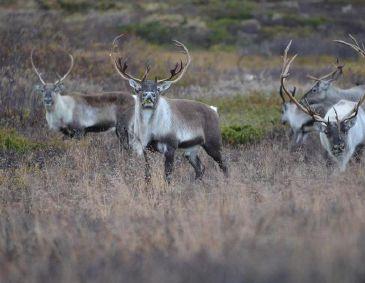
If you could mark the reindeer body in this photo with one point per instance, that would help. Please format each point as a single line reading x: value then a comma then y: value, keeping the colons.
x: 178, y: 123
x: 341, y: 144
x: 76, y: 114
x: 299, y: 122
x: 328, y: 95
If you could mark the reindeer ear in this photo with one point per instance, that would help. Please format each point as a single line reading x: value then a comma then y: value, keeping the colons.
x: 38, y: 88
x: 320, y: 127
x: 164, y: 86
x: 325, y: 85
x: 60, y: 87
x: 136, y: 86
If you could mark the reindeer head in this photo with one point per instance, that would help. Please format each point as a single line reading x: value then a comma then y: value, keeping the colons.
x: 336, y: 131
x: 49, y: 91
x: 322, y: 85
x: 148, y: 91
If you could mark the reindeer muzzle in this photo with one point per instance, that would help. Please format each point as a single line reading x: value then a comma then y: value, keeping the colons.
x: 48, y: 101
x: 147, y: 103
x: 337, y: 149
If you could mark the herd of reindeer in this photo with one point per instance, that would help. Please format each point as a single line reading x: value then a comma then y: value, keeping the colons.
x: 148, y: 121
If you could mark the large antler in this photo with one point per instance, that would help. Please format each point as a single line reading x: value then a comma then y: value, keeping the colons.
x: 179, y: 69
x: 355, y: 45
x: 334, y: 75
x: 68, y: 71
x: 35, y: 69
x: 282, y: 95
x: 284, y: 75
x: 361, y: 50
x: 121, y: 66
x: 61, y: 78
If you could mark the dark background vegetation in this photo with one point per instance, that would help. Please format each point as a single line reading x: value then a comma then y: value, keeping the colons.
x: 78, y: 210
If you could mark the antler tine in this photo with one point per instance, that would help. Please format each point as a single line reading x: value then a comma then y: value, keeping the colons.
x: 337, y: 119
x: 176, y: 70
x: 147, y: 70
x: 313, y: 78
x: 120, y: 66
x: 68, y: 71
x: 35, y: 69
x: 356, y: 108
x: 281, y: 94
x: 284, y: 75
x: 356, y: 46
x: 338, y: 70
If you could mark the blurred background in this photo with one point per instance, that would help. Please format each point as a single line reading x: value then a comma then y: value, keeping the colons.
x: 236, y: 47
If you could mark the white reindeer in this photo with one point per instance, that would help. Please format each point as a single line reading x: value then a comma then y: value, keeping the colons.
x: 321, y: 97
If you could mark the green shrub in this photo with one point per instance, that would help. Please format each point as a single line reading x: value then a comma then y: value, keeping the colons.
x: 241, y: 134
x: 233, y: 9
x: 223, y: 31
x: 73, y: 6
x: 246, y: 119
x: 313, y: 22
x: 11, y: 140
x: 155, y: 31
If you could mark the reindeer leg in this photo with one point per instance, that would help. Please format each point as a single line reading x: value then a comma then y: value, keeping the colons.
x: 147, y: 168
x: 169, y: 162
x: 216, y: 154
x: 122, y: 135
x: 67, y: 133
x: 194, y: 161
x: 358, y: 153
x: 79, y: 133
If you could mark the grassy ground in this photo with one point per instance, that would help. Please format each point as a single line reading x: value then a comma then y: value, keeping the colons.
x: 79, y: 211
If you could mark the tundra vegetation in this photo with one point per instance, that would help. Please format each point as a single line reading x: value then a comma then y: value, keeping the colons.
x: 77, y: 210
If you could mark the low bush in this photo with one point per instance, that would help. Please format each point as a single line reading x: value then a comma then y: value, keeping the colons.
x: 155, y: 31
x: 241, y: 134
x: 11, y: 140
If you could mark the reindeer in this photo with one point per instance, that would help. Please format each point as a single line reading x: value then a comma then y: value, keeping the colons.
x: 300, y: 123
x: 342, y: 130
x: 321, y: 96
x: 325, y: 94
x: 165, y: 124
x: 75, y: 115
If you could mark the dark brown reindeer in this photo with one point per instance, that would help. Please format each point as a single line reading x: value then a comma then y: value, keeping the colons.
x: 165, y: 124
x: 76, y: 114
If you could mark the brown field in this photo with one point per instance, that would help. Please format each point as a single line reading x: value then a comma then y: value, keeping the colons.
x: 86, y: 215
x: 79, y: 211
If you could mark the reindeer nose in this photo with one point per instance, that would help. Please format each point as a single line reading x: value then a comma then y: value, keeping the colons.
x: 338, y: 147
x: 48, y: 100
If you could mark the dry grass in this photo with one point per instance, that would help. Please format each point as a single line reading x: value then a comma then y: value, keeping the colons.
x: 85, y: 215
